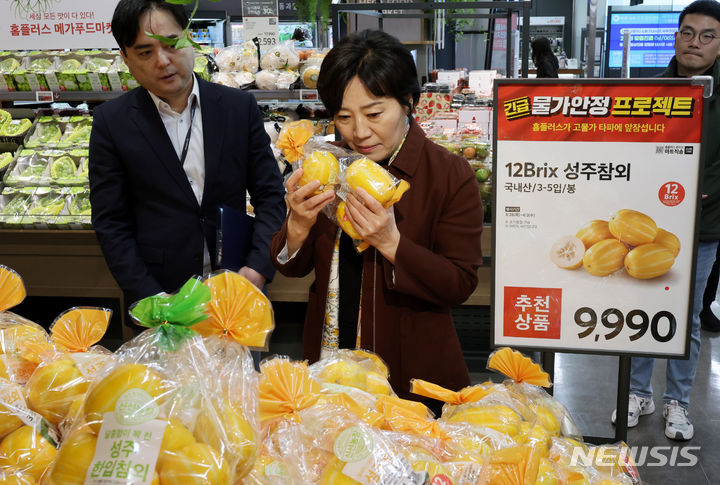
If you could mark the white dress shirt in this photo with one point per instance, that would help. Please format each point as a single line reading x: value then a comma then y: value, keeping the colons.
x: 176, y: 125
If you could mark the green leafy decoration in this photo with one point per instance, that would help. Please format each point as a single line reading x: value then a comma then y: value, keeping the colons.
x: 173, y: 315
x: 185, y: 38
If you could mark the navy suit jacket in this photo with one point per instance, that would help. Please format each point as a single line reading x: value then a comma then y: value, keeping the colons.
x: 149, y: 224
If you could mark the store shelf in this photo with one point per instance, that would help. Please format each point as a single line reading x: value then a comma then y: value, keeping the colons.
x: 61, y: 96
x: 304, y: 95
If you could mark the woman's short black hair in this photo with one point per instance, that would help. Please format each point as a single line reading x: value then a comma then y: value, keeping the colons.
x: 383, y: 64
x: 541, y: 47
x: 126, y: 18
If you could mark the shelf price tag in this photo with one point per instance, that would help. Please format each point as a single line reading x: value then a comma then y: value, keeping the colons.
x: 309, y: 95
x: 44, y: 96
x: 260, y: 19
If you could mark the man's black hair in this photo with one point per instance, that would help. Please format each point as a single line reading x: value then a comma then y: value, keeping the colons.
x: 711, y: 8
x: 126, y: 18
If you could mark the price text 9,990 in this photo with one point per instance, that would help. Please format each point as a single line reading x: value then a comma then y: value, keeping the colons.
x: 662, y: 325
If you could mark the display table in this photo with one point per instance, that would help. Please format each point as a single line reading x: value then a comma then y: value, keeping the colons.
x: 70, y: 264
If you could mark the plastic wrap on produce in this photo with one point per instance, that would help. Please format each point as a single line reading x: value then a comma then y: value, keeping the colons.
x: 341, y: 170
x: 155, y: 413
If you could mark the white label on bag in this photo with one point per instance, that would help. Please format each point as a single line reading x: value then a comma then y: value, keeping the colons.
x: 355, y: 447
x: 126, y: 454
x: 52, y: 81
x: 95, y: 81
x: 33, y: 81
x: 11, y: 396
x: 89, y: 363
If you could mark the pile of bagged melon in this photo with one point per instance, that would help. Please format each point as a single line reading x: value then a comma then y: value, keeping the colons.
x: 182, y: 404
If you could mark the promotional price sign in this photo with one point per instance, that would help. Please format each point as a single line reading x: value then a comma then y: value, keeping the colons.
x: 596, y: 196
x: 260, y: 19
x: 49, y: 24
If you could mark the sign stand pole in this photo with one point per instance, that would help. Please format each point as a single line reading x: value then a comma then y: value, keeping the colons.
x: 548, y: 365
x: 623, y: 397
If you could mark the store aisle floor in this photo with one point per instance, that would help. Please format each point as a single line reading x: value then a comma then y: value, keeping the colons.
x: 587, y: 385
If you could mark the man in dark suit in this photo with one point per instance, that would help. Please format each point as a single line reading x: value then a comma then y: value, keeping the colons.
x: 166, y: 155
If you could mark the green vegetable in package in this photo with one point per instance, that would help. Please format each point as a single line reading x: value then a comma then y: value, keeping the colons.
x: 16, y: 127
x: 98, y: 64
x: 5, y: 159
x: 42, y: 64
x: 34, y: 170
x: 49, y: 205
x: 7, y: 66
x: 80, y: 205
x: 18, y: 205
x: 70, y: 66
x: 84, y: 172
x: 63, y: 167
x: 45, y: 134
x: 80, y: 135
x: 79, y: 152
x: 5, y: 118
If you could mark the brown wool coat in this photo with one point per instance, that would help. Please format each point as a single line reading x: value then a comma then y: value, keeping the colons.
x: 406, y: 319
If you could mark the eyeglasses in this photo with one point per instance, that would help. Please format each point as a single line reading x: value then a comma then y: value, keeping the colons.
x: 705, y: 38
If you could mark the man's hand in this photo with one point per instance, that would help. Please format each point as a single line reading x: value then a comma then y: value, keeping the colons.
x: 253, y: 276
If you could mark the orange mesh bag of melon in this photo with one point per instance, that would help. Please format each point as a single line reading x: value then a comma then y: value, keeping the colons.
x: 319, y: 160
x: 66, y: 364
x: 343, y: 368
x: 15, y: 330
x: 341, y: 448
x: 628, y: 239
x: 156, y: 406
x: 240, y: 318
x: 375, y: 180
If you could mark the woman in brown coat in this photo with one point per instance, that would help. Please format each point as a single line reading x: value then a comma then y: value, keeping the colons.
x: 394, y: 298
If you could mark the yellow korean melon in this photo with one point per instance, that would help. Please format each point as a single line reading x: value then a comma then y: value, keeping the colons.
x: 345, y: 373
x: 9, y: 421
x: 632, y: 227
x: 230, y: 432
x: 345, y: 223
x: 10, y: 337
x: 496, y: 416
x: 594, y: 231
x: 374, y: 179
x: 546, y: 473
x: 605, y: 257
x: 175, y: 437
x: 28, y: 451
x: 53, y: 387
x: 73, y: 459
x: 649, y: 261
x: 322, y: 166
x: 103, y: 396
x: 669, y: 240
x: 332, y: 474
x: 15, y: 477
x: 195, y: 464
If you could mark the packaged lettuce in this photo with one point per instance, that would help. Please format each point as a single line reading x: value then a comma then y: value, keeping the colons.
x: 16, y: 127
x: 5, y: 159
x: 47, y: 133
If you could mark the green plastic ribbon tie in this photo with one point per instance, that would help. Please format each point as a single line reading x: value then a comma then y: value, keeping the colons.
x: 173, y: 315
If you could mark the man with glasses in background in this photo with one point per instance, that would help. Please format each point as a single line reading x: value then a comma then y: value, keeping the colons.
x: 697, y: 46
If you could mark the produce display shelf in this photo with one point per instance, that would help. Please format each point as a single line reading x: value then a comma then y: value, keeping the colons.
x: 60, y: 96
x: 308, y: 95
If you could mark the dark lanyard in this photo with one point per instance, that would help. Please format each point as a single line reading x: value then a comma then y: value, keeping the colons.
x: 189, y: 132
